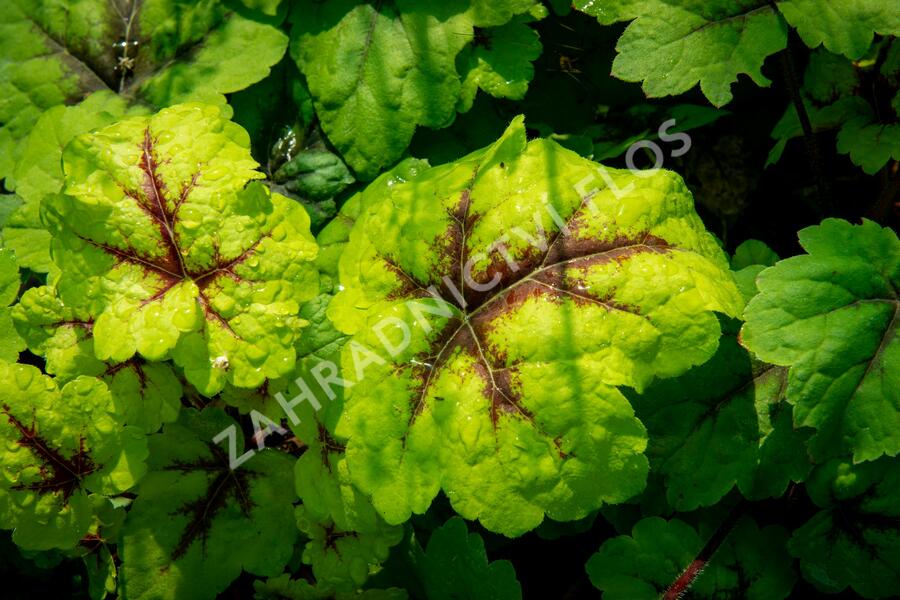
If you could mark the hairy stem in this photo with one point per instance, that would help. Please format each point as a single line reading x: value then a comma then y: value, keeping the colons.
x: 684, y: 581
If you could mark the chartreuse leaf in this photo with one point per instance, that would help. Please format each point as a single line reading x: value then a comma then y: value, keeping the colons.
x: 455, y: 565
x: 674, y: 44
x: 499, y: 385
x: 285, y: 588
x: 321, y: 476
x: 145, y: 394
x: 197, y: 523
x: 831, y: 316
x: 161, y: 240
x: 752, y: 563
x: 735, y: 406
x: 843, y: 26
x: 38, y: 171
x: 10, y: 342
x: 366, y: 72
x: 60, y: 445
x: 342, y: 560
x: 157, y: 51
x: 855, y: 540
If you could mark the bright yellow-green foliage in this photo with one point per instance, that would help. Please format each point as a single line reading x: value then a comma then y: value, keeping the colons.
x: 60, y: 446
x: 159, y: 237
x: 509, y: 400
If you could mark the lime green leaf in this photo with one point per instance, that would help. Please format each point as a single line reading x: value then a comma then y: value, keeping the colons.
x: 60, y: 445
x: 455, y: 565
x: 196, y: 523
x: 10, y: 341
x: 24, y: 234
x: 672, y: 44
x: 368, y: 76
x: 751, y: 564
x: 285, y: 588
x: 157, y: 221
x: 159, y: 52
x: 342, y: 560
x: 855, y: 541
x: 843, y: 26
x: 38, y: 171
x: 831, y: 316
x: 735, y: 407
x: 499, y: 62
x: 507, y: 396
x: 144, y: 394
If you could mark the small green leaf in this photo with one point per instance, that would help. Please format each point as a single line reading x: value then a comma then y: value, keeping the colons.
x: 455, y: 565
x: 831, y: 316
x: 315, y: 174
x: 753, y: 252
x: 870, y: 143
x: 499, y: 62
x: 196, y: 523
x: 855, y: 540
x: 343, y: 559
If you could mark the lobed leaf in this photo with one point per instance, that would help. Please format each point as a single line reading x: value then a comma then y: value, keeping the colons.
x: 505, y: 394
x: 343, y: 559
x: 455, y: 565
x: 671, y: 45
x: 59, y: 445
x: 843, y: 26
x: 830, y: 315
x: 735, y: 406
x: 855, y: 540
x: 218, y: 521
x: 367, y: 71
x: 10, y: 341
x: 157, y: 220
x: 144, y: 394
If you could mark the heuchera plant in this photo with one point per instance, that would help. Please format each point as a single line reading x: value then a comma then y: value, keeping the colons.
x: 374, y: 300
